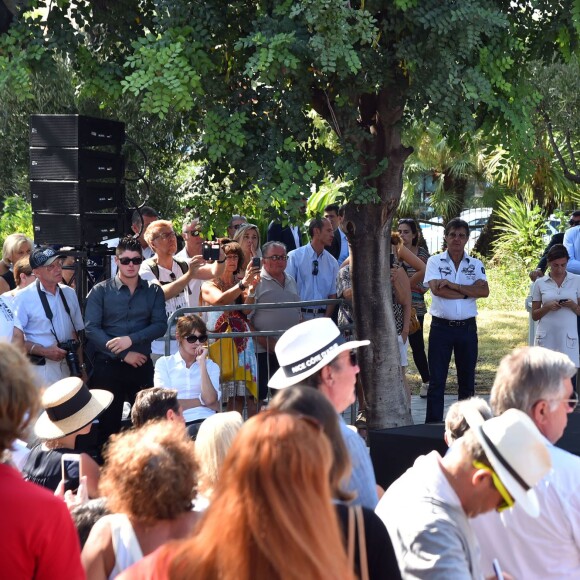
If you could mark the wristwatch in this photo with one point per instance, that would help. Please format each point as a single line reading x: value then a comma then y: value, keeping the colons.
x: 241, y: 286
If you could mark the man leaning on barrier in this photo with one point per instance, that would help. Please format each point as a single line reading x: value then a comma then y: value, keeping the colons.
x: 275, y: 286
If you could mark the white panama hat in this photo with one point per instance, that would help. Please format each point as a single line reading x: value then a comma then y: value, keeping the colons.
x: 69, y: 406
x: 517, y: 452
x: 307, y: 347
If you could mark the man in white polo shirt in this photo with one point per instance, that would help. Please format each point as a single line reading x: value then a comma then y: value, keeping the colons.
x: 456, y: 281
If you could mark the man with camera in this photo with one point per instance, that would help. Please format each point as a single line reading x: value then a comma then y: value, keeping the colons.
x: 47, y: 320
x: 124, y: 315
x: 195, y: 245
x: 174, y: 275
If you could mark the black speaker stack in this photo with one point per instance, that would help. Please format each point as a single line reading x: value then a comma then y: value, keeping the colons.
x: 76, y: 179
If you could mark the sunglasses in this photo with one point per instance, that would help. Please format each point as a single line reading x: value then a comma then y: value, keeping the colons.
x: 508, y: 500
x: 276, y: 258
x: 353, y: 358
x: 192, y: 338
x: 165, y: 236
x: 315, y: 267
x: 126, y: 261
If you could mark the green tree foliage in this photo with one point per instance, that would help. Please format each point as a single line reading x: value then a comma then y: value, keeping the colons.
x: 266, y: 99
x: 16, y: 217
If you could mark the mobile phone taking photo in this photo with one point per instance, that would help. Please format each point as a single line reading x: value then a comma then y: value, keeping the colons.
x: 71, y: 473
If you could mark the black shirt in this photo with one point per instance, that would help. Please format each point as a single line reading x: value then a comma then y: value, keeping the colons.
x: 112, y: 311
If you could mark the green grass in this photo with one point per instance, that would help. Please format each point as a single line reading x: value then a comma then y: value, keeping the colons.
x: 502, y: 325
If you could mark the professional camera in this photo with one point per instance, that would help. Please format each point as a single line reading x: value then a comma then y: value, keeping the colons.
x: 72, y: 358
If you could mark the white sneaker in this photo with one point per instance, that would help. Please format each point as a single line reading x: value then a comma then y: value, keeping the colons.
x: 424, y: 390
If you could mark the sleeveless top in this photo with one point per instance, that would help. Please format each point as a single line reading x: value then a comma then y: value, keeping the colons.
x: 43, y: 466
x: 125, y: 544
x: 9, y: 278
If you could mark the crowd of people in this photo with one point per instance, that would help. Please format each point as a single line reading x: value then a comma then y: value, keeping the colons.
x: 184, y: 488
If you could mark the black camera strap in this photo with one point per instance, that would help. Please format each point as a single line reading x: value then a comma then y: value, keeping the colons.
x: 48, y: 311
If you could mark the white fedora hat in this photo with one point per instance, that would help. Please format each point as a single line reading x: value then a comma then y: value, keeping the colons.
x: 516, y: 451
x: 307, y: 347
x: 69, y: 406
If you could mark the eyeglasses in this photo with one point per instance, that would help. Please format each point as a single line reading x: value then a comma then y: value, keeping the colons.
x: 276, y: 258
x: 315, y: 267
x: 165, y: 236
x: 194, y: 233
x: 508, y: 500
x: 56, y: 264
x: 232, y: 257
x: 238, y: 226
x: 572, y: 401
x: 192, y: 338
x: 454, y: 235
x: 126, y: 261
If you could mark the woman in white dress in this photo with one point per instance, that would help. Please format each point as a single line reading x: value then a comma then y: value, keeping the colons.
x: 556, y: 305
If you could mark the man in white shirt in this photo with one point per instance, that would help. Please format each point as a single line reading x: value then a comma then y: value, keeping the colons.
x: 314, y: 269
x: 536, y: 381
x: 194, y: 240
x: 427, y: 511
x: 47, y: 314
x: 456, y: 281
x: 6, y: 320
x: 174, y: 276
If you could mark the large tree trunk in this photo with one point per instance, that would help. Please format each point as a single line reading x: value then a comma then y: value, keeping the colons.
x: 368, y: 227
x: 373, y: 313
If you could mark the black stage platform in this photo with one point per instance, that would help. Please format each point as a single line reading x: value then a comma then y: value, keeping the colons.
x: 393, y: 451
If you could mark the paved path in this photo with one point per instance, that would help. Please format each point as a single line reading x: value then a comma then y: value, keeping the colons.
x: 419, y: 407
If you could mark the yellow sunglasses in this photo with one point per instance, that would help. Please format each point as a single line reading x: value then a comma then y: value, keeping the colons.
x: 508, y: 500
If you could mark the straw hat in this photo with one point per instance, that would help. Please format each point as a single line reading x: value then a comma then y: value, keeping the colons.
x: 69, y: 406
x: 307, y: 347
x: 516, y: 451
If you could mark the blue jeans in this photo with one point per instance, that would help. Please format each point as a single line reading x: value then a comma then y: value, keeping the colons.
x: 443, y: 341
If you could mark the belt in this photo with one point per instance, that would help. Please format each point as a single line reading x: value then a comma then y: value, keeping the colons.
x: 314, y: 310
x: 446, y: 322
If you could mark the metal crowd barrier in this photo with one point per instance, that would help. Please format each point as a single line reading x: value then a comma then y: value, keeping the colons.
x: 239, y: 374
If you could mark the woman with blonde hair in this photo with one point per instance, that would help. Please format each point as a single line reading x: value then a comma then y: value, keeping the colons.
x: 23, y: 276
x: 248, y: 236
x: 15, y: 246
x: 148, y: 479
x: 271, y: 515
x: 214, y: 439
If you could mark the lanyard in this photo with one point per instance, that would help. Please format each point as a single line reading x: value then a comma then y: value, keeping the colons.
x: 48, y: 311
